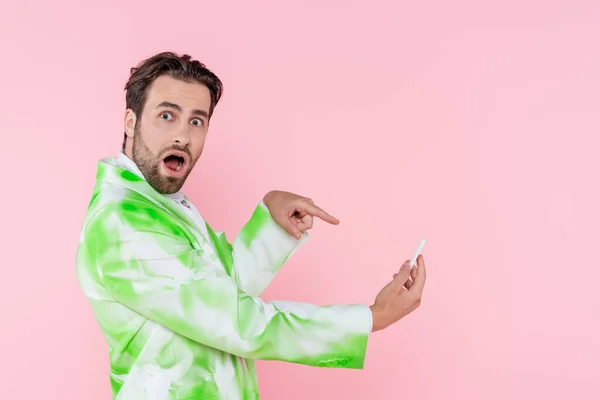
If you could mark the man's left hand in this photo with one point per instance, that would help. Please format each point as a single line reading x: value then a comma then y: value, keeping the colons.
x: 295, y: 213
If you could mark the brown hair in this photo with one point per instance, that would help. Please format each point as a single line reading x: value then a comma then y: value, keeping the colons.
x: 168, y: 63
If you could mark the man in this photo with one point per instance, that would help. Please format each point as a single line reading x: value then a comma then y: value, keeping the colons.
x: 178, y: 304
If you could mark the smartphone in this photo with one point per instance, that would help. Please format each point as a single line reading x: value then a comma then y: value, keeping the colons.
x: 419, y: 249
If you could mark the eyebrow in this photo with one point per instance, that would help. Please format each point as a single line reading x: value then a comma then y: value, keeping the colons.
x: 168, y: 104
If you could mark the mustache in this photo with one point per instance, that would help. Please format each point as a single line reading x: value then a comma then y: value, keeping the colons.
x: 183, y: 149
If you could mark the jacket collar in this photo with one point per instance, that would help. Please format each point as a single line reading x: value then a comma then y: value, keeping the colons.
x: 112, y: 171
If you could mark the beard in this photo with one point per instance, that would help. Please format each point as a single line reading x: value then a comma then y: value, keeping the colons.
x: 150, y: 165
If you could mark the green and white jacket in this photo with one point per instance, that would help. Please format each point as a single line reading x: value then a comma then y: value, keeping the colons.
x: 179, y: 305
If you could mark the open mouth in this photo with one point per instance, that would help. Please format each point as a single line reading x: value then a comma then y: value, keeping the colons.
x: 175, y: 162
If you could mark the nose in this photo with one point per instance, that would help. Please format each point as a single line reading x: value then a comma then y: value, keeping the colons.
x: 181, y: 136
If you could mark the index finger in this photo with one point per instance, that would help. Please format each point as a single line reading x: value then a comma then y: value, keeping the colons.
x: 419, y: 280
x: 320, y: 213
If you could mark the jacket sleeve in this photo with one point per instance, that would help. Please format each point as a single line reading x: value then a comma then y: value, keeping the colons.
x: 148, y: 265
x: 260, y: 250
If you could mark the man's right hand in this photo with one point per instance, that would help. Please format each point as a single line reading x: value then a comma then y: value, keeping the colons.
x: 399, y: 297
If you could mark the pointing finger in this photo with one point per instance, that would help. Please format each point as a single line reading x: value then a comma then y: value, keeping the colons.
x: 320, y: 213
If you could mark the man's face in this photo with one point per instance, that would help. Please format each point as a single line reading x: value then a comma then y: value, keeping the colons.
x: 170, y: 136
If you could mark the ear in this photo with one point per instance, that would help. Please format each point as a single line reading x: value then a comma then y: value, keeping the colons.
x: 130, y: 120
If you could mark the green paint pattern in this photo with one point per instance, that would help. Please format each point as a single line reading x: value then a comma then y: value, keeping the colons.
x: 181, y: 312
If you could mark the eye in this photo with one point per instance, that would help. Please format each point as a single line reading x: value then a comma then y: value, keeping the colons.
x: 197, y: 122
x: 166, y: 116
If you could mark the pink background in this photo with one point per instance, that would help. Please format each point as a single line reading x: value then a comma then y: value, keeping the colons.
x: 473, y: 123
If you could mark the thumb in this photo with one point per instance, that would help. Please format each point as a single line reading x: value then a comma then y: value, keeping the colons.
x: 402, y: 276
x: 292, y: 229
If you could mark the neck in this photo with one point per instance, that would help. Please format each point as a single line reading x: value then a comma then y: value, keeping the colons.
x: 128, y: 151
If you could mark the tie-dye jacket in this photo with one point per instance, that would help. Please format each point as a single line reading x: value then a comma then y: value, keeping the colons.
x: 182, y: 314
